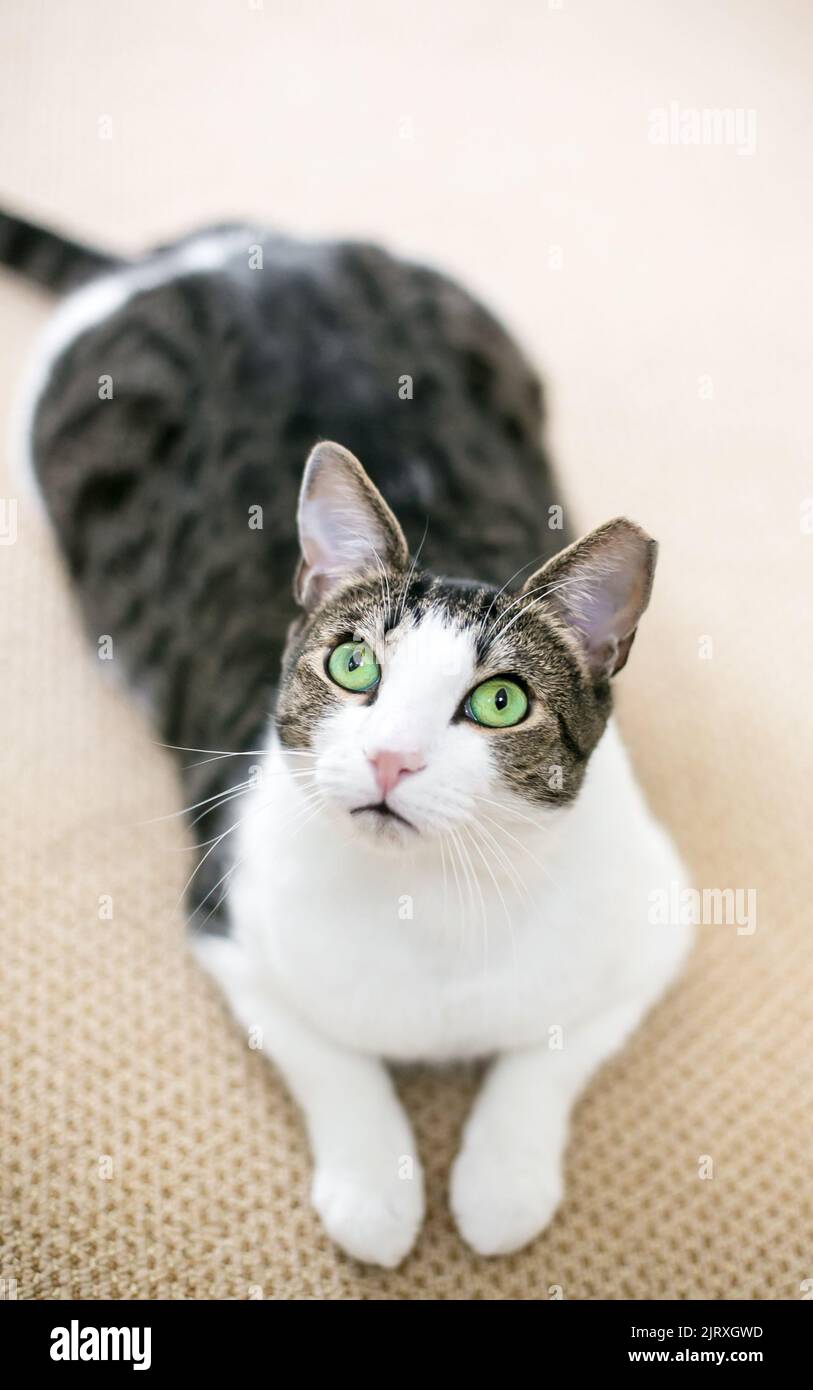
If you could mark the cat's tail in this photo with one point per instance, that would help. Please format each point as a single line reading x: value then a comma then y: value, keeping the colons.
x: 52, y: 260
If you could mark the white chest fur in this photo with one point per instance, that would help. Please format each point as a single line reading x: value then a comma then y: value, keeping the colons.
x: 412, y: 956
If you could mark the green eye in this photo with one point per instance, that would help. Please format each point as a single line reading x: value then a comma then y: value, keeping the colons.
x: 497, y: 703
x: 353, y: 666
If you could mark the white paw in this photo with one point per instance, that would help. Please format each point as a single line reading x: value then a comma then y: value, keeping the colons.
x: 503, y: 1196
x: 373, y: 1221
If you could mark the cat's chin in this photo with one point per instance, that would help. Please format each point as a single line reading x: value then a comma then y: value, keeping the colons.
x: 382, y: 828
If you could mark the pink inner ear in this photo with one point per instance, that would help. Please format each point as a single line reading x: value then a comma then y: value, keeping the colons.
x: 345, y: 527
x: 335, y: 534
x: 603, y: 598
x: 602, y: 616
x: 320, y: 541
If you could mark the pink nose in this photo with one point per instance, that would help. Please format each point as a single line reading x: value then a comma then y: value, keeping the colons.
x: 391, y: 765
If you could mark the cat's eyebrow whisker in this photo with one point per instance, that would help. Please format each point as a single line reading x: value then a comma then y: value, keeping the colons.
x: 411, y: 572
x: 540, y: 589
x: 501, y: 591
x: 542, y: 593
x: 385, y: 582
x: 551, y: 589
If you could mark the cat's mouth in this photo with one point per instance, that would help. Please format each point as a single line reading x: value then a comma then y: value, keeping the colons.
x: 382, y: 810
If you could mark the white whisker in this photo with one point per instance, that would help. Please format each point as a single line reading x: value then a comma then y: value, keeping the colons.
x: 542, y: 593
x: 471, y: 827
x: 509, y: 811
x: 411, y: 572
x: 484, y: 916
x: 501, y: 591
x: 518, y: 882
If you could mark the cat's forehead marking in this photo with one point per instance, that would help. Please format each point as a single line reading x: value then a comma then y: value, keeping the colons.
x: 440, y: 643
x: 426, y: 673
x: 459, y: 603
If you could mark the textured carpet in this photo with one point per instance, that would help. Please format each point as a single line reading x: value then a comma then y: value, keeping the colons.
x: 665, y: 291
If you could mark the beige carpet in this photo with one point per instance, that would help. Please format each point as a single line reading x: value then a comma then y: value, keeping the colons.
x: 666, y: 292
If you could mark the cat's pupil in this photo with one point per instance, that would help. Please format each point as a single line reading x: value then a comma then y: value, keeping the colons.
x: 501, y: 698
x: 356, y: 659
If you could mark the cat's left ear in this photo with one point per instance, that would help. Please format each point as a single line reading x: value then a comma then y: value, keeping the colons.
x: 346, y: 529
x: 600, y: 586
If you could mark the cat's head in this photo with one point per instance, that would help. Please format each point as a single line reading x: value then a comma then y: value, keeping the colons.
x: 428, y: 702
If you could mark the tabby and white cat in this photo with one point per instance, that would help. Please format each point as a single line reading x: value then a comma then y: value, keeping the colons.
x: 424, y: 840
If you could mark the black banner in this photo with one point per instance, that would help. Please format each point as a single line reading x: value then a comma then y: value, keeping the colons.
x: 155, y: 1339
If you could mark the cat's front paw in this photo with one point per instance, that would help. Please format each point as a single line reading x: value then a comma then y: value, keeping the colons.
x: 501, y: 1196
x: 374, y: 1221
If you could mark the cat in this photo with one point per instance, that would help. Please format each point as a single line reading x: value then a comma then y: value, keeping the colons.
x: 387, y: 679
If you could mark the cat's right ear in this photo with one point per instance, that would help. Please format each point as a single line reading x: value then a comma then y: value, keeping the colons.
x: 346, y: 529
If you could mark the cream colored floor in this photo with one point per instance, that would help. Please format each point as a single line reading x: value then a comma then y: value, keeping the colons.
x: 502, y: 142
